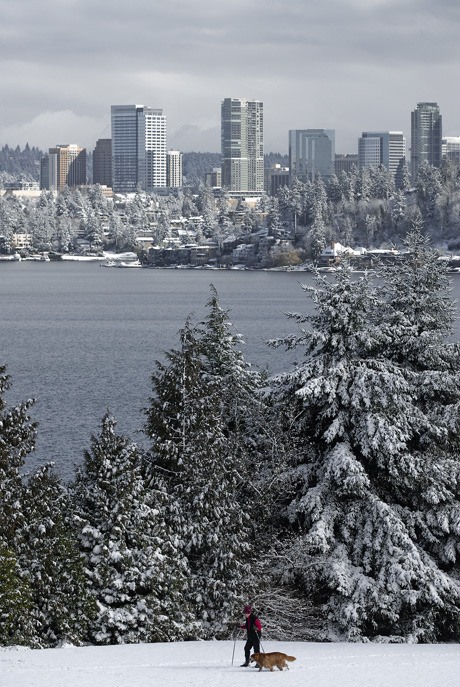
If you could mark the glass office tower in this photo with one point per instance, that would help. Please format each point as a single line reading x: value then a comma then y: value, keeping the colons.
x: 426, y: 136
x: 138, y: 148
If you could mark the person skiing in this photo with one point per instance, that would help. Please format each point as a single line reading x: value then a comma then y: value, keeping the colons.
x: 253, y: 629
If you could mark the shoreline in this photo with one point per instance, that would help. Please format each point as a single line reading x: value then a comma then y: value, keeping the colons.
x: 130, y: 260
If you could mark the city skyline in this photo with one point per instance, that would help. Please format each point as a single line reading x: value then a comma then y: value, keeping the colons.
x: 348, y: 65
x: 137, y: 155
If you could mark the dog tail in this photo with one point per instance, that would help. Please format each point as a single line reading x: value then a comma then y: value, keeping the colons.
x: 290, y: 658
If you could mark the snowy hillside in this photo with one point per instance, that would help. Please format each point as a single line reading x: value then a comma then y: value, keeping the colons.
x: 209, y: 664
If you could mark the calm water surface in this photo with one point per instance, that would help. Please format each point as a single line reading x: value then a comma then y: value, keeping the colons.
x: 82, y: 339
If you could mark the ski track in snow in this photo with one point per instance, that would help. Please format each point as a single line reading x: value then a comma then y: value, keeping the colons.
x: 208, y: 664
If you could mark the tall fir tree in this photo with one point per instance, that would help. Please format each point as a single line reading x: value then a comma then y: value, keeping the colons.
x: 15, y: 602
x: 356, y: 546
x: 420, y: 312
x: 418, y: 327
x: 51, y: 563
x: 198, y: 422
x: 17, y: 441
x: 135, y: 572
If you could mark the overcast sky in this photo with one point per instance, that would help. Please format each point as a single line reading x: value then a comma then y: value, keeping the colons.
x: 348, y: 65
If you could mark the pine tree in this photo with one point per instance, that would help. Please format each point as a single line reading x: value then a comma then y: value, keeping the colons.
x: 15, y: 602
x: 418, y: 328
x: 429, y: 186
x: 223, y: 362
x: 50, y: 560
x: 197, y: 421
x: 237, y: 395
x: 273, y: 218
x: 382, y: 182
x: 420, y: 310
x: 17, y: 440
x: 135, y: 573
x: 334, y: 190
x: 369, y: 458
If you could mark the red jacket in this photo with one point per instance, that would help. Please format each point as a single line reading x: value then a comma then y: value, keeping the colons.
x: 252, y: 625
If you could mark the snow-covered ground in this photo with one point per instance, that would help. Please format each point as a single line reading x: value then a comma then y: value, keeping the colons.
x: 209, y: 664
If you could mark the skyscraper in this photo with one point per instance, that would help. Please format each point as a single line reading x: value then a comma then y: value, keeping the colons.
x: 66, y: 166
x: 102, y: 162
x: 242, y: 136
x: 311, y: 152
x: 387, y: 148
x: 138, y: 148
x: 426, y: 136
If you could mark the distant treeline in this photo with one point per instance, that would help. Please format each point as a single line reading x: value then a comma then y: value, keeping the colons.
x: 17, y: 162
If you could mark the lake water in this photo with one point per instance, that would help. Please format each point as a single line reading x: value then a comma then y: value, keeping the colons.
x: 81, y: 339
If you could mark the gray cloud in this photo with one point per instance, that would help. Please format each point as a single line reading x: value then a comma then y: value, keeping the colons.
x: 345, y: 64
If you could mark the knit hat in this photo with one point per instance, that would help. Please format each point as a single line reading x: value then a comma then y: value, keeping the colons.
x: 247, y: 609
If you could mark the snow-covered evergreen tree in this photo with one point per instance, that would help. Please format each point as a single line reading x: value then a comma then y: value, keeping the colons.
x: 273, y: 217
x: 382, y: 183
x: 420, y: 310
x: 17, y: 440
x: 197, y: 421
x: 237, y: 396
x: 15, y: 602
x: 50, y: 559
x: 334, y: 190
x: 367, y: 497
x: 135, y: 573
x: 418, y: 325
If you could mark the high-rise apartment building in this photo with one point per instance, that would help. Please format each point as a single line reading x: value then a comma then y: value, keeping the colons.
x: 102, y: 162
x: 174, y: 169
x: 138, y: 148
x: 426, y: 136
x: 242, y: 137
x: 66, y: 166
x: 311, y: 152
x: 387, y: 148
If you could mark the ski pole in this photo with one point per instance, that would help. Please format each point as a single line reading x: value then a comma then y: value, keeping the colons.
x: 234, y: 644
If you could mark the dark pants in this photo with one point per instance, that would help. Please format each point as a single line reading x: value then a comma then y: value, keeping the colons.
x: 252, y: 642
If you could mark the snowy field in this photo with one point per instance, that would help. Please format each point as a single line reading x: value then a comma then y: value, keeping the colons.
x: 209, y: 664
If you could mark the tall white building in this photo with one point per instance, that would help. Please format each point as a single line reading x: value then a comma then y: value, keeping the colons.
x: 138, y: 148
x: 174, y: 169
x: 311, y: 152
x: 242, y: 137
x: 387, y: 148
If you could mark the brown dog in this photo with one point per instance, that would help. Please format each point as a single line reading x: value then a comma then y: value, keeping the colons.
x: 275, y: 659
